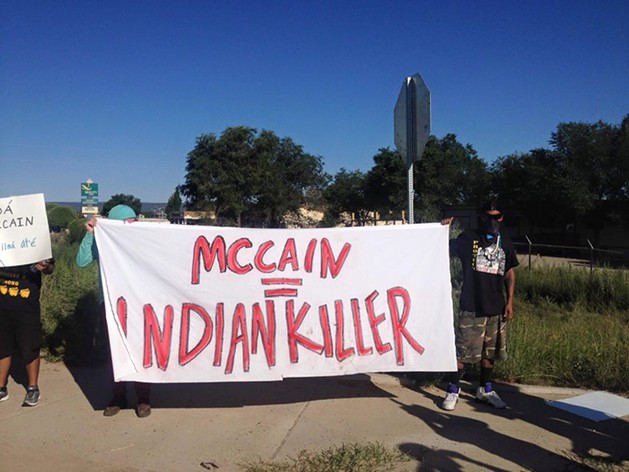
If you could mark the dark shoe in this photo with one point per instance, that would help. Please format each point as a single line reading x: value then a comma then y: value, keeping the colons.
x: 143, y: 410
x: 114, y: 408
x: 32, y: 396
x: 4, y: 394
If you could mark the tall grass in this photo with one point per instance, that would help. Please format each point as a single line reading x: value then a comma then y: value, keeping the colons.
x: 575, y: 288
x: 570, y: 329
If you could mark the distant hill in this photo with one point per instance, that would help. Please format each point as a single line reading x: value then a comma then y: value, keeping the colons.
x: 146, y: 207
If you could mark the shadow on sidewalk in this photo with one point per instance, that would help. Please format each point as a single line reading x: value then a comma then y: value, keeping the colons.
x: 604, y: 441
x: 607, y: 441
x: 93, y: 381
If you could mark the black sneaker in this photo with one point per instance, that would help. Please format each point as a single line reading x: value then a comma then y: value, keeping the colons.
x: 4, y: 394
x: 32, y: 396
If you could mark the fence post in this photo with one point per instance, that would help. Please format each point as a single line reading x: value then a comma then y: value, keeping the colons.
x: 591, y: 255
x: 530, y: 246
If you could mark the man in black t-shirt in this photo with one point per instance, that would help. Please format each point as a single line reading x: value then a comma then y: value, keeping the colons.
x: 488, y: 259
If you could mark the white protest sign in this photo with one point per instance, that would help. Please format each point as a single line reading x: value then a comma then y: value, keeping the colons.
x: 24, y: 232
x: 211, y: 304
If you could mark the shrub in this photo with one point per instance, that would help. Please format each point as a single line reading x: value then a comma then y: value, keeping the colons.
x: 69, y: 303
x: 76, y: 230
x: 60, y: 216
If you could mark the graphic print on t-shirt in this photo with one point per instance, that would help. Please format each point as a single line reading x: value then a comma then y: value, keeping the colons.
x: 11, y: 288
x: 490, y: 260
x: 19, y: 288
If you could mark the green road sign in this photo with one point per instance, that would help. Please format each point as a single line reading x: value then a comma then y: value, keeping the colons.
x: 89, y: 189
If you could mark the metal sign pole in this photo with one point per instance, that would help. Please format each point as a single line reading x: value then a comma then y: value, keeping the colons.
x: 412, y: 128
x: 411, y: 195
x: 411, y: 142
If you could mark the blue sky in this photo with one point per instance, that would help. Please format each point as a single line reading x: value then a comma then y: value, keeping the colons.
x: 118, y: 91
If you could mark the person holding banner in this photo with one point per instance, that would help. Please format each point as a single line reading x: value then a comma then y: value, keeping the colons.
x: 20, y: 323
x: 488, y: 259
x: 88, y: 253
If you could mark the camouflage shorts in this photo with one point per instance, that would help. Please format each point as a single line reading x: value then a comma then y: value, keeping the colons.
x: 480, y: 337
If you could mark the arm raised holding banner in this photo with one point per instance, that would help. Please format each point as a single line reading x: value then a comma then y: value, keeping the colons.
x: 88, y: 253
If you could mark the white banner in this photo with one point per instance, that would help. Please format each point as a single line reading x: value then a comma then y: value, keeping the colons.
x: 24, y: 232
x: 214, y: 304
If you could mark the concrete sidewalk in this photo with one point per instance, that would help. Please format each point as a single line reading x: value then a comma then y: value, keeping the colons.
x: 196, y: 427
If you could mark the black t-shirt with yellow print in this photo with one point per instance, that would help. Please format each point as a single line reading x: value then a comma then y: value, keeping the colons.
x: 19, y: 288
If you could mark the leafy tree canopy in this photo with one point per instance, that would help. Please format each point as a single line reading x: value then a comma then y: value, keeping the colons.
x: 386, y: 185
x: 121, y: 199
x: 532, y: 184
x: 256, y: 179
x: 584, y: 175
x: 251, y: 179
x: 174, y: 203
x: 346, y: 195
x: 449, y: 173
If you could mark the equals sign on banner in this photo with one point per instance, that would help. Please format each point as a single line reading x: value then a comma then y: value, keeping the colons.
x: 285, y: 287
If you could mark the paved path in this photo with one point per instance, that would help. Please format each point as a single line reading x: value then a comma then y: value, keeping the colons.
x: 225, y: 425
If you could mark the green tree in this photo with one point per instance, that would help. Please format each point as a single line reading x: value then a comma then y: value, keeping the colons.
x: 533, y: 183
x: 122, y: 199
x: 250, y: 179
x: 346, y: 194
x: 585, y: 153
x: 174, y: 203
x: 449, y: 173
x: 621, y: 160
x: 219, y: 177
x: 584, y: 177
x: 386, y: 184
x: 289, y: 179
x: 59, y: 217
x: 594, y: 170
